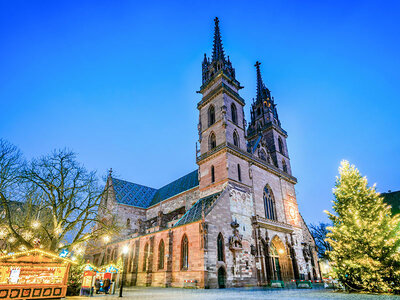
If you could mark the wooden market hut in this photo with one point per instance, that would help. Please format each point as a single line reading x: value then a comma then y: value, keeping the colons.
x: 33, y: 274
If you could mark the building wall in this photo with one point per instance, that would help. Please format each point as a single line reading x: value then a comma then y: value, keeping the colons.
x: 172, y: 274
x: 186, y: 199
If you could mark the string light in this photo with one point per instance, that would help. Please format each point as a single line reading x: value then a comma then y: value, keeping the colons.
x: 35, y: 224
x: 3, y: 233
x: 34, y: 251
x: 27, y: 235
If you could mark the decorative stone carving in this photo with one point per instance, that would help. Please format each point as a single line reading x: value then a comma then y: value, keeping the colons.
x: 306, y: 252
x: 223, y: 111
x: 253, y: 250
x: 235, y: 241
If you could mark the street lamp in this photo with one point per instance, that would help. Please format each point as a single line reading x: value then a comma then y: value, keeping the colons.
x: 125, y: 250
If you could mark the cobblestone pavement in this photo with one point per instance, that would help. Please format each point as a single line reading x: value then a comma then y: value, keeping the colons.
x: 235, y: 294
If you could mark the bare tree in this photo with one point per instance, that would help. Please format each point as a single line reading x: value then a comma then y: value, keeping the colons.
x: 319, y: 232
x: 58, y: 198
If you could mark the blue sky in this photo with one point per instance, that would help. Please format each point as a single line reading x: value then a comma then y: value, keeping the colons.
x: 116, y: 82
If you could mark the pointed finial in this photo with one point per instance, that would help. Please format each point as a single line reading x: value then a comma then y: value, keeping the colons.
x: 218, y: 51
x: 110, y: 172
x: 205, y: 61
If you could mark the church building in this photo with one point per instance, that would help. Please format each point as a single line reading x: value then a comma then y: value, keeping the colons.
x: 232, y: 222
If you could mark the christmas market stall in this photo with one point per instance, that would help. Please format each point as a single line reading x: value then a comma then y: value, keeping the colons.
x: 33, y: 274
x: 107, y: 276
x: 88, y: 278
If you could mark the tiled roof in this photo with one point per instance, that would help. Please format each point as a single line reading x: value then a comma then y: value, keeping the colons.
x: 132, y: 194
x: 194, y: 214
x: 176, y: 187
x: 393, y: 199
x: 143, y: 196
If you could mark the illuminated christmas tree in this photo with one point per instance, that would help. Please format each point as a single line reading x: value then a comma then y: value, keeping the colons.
x: 364, y: 237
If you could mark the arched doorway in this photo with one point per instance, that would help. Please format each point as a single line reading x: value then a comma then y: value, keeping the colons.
x: 221, y: 278
x: 281, y: 265
x: 276, y: 267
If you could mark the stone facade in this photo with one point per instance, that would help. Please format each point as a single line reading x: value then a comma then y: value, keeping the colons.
x: 233, y: 222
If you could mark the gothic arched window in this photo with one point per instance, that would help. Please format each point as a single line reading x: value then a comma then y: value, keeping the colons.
x: 234, y: 113
x: 284, y: 166
x: 239, y: 173
x: 211, y: 115
x: 212, y: 174
x: 185, y: 253
x: 235, y: 139
x: 212, y: 141
x: 220, y: 248
x: 269, y: 203
x: 161, y: 255
x: 128, y: 223
x: 145, y: 256
x: 280, y: 145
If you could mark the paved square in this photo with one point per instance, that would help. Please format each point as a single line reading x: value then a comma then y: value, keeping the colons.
x: 235, y: 294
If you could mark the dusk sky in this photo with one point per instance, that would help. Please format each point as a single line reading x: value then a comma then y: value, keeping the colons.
x: 116, y: 82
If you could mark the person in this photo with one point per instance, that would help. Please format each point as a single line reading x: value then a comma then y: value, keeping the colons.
x: 97, y: 285
x: 106, y: 285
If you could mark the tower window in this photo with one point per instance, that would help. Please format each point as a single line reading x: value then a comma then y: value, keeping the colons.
x: 284, y: 166
x: 258, y: 111
x: 212, y: 141
x: 235, y: 139
x: 185, y: 253
x: 212, y: 174
x: 220, y: 248
x: 234, y: 113
x: 269, y: 204
x: 161, y: 255
x: 128, y: 223
x: 211, y: 115
x: 239, y: 173
x: 280, y: 145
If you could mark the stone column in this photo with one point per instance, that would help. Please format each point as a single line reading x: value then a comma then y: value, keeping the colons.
x: 135, y: 263
x: 294, y: 260
x: 168, y: 275
x: 149, y: 269
x: 268, y: 262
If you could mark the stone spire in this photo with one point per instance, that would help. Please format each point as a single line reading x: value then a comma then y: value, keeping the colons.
x: 263, y: 109
x: 218, y: 63
x: 260, y: 83
x: 218, y: 50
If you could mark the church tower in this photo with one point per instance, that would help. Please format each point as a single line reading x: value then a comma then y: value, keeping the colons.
x: 221, y: 121
x: 265, y: 124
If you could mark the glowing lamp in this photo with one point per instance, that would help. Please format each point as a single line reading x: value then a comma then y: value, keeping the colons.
x: 125, y: 249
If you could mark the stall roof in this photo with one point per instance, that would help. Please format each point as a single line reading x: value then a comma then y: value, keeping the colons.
x: 32, y: 255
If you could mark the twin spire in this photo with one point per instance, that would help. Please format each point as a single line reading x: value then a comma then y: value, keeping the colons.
x: 219, y: 64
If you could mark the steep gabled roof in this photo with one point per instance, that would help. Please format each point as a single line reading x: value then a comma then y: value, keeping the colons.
x: 132, y: 194
x: 195, y: 212
x: 143, y: 196
x: 176, y: 187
